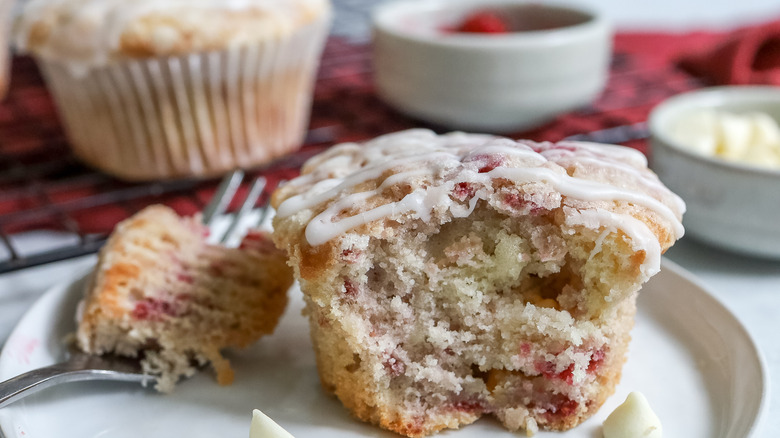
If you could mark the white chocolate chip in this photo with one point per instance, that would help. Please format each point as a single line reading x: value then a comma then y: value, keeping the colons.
x: 264, y: 427
x: 633, y: 419
x: 752, y: 138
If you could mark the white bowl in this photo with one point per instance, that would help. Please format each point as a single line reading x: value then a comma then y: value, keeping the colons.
x: 730, y: 205
x: 488, y: 82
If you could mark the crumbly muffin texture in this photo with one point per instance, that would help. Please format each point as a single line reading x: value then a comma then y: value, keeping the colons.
x: 160, y: 292
x: 450, y: 277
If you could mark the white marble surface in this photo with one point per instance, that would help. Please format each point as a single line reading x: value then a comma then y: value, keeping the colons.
x: 685, y: 14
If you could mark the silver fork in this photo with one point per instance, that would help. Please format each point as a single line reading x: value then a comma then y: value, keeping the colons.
x: 80, y: 366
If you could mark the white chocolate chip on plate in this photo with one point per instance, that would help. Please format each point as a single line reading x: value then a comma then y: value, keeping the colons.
x: 633, y: 419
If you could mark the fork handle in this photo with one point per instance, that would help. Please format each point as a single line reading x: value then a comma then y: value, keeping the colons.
x: 21, y: 386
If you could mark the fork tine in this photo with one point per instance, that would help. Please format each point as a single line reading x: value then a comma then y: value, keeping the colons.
x: 258, y: 185
x: 222, y: 197
x: 265, y: 210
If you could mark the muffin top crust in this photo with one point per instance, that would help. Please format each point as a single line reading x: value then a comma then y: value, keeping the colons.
x: 418, y: 175
x: 94, y: 32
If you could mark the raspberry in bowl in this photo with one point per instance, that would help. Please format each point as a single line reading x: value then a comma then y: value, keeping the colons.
x: 493, y: 66
x: 483, y: 22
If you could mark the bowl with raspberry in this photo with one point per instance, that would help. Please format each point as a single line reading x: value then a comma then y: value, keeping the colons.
x: 497, y: 66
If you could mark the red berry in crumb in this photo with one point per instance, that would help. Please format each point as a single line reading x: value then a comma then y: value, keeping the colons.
x: 483, y: 22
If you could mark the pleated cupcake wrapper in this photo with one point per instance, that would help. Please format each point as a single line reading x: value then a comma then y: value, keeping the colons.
x: 194, y: 115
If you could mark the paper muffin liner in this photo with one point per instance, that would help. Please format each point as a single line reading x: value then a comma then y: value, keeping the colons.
x: 191, y: 116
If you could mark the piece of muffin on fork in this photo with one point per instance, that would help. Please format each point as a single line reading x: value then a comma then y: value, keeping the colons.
x: 161, y: 292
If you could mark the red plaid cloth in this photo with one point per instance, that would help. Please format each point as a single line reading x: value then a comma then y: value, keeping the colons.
x: 43, y: 186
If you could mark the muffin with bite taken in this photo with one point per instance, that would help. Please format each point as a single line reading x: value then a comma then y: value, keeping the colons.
x: 455, y: 276
x: 151, y: 89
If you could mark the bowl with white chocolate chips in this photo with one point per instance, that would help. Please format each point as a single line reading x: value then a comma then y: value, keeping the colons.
x: 719, y: 149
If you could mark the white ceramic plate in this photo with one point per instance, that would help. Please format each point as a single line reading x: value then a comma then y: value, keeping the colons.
x: 693, y: 360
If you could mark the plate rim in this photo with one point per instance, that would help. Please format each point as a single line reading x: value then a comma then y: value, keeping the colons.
x: 763, y: 406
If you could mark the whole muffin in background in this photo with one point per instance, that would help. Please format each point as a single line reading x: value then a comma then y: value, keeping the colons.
x: 450, y: 277
x: 151, y: 89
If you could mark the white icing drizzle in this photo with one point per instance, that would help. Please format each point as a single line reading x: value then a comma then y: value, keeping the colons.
x: 309, y: 199
x: 433, y: 166
x: 642, y: 238
x: 587, y: 190
x: 625, y: 160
